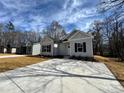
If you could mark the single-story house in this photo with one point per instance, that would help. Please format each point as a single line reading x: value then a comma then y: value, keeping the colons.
x: 77, y: 43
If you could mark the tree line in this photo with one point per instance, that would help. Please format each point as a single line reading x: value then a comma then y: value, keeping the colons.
x: 15, y: 38
x: 109, y: 33
x: 11, y: 37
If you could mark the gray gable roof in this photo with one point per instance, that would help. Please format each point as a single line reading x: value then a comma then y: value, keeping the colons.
x: 66, y: 37
x: 73, y: 32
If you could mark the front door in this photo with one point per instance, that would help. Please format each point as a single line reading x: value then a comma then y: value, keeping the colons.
x: 64, y: 49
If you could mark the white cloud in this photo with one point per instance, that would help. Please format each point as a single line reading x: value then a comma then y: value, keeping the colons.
x: 72, y: 12
x: 4, y: 18
x: 37, y: 23
x: 74, y: 17
x: 72, y: 4
x: 14, y: 4
x: 66, y: 4
x: 77, y: 3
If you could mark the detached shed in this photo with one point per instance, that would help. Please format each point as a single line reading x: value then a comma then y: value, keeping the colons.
x: 36, y: 49
x: 13, y: 50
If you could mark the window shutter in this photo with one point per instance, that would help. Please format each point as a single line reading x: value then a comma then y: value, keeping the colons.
x: 49, y: 48
x: 75, y: 47
x: 84, y: 46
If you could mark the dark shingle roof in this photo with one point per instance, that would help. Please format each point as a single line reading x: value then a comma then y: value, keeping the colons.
x: 73, y: 32
x: 66, y: 37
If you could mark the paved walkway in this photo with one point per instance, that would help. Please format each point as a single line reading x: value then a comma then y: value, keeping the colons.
x: 10, y: 56
x: 60, y: 76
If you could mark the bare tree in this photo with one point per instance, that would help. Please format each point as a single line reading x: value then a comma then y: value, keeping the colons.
x: 113, y: 26
x: 98, y: 40
x: 55, y: 31
x: 1, y: 38
x: 111, y: 4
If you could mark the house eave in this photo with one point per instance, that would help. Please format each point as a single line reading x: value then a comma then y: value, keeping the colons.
x: 79, y: 39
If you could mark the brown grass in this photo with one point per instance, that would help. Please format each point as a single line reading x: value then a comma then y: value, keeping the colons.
x: 116, y: 67
x: 13, y: 63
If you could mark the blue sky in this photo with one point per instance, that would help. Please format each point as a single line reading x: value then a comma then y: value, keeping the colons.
x: 37, y: 14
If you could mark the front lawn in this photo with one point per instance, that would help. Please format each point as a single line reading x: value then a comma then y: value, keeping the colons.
x: 16, y: 62
x: 117, y: 68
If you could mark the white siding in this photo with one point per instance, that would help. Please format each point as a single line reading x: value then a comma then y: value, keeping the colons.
x: 47, y: 41
x: 89, y: 48
x: 13, y: 51
x: 36, y: 49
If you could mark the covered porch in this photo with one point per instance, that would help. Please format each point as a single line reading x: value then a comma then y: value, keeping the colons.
x: 64, y: 49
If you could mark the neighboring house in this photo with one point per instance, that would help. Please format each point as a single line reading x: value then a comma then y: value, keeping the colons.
x: 7, y: 49
x: 28, y: 49
x: 25, y: 48
x: 1, y: 49
x: 77, y: 43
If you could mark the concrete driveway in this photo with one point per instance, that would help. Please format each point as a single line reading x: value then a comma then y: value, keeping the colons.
x: 11, y: 56
x: 60, y: 76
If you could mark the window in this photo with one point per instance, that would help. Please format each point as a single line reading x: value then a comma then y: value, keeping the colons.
x: 49, y: 48
x: 43, y: 48
x: 46, y: 48
x: 80, y: 47
x: 68, y: 46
